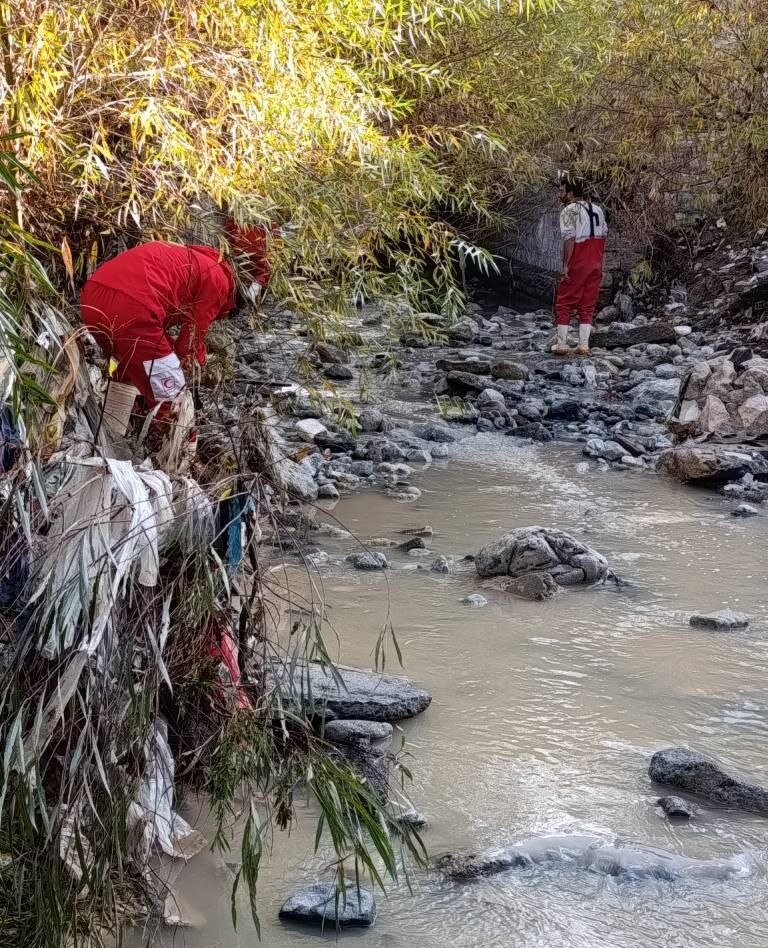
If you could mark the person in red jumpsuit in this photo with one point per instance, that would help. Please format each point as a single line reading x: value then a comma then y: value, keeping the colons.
x: 130, y: 302
x: 584, y: 231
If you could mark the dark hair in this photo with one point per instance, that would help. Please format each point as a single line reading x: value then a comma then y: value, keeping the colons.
x: 574, y: 185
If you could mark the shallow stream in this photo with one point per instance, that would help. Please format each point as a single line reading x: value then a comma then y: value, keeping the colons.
x: 545, y: 714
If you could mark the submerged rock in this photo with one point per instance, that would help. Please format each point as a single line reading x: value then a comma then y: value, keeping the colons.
x: 594, y: 855
x: 533, y: 586
x: 707, y: 778
x: 724, y: 621
x: 475, y: 600
x: 432, y: 431
x: 349, y: 694
x: 675, y: 808
x: 320, y: 904
x: 745, y: 510
x: 368, y: 560
x: 357, y: 732
x: 542, y: 550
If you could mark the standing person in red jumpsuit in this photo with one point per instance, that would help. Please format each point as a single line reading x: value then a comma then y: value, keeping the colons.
x: 583, y: 229
x: 130, y: 302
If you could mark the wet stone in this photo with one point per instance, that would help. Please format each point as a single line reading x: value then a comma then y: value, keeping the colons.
x: 319, y: 904
x: 357, y: 732
x: 368, y: 560
x: 676, y: 808
x: 707, y: 778
x: 724, y: 621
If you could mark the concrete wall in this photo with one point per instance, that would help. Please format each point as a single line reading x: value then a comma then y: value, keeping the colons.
x: 533, y: 250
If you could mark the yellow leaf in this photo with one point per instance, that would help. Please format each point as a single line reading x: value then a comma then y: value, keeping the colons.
x: 66, y: 255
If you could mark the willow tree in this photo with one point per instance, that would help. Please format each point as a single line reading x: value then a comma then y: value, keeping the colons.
x: 130, y: 112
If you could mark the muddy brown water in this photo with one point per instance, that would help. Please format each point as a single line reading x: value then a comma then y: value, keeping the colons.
x: 545, y: 714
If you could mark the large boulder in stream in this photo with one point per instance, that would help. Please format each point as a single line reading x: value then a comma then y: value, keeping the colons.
x: 542, y: 549
x: 348, y: 693
x: 710, y: 464
x: 320, y: 904
x: 706, y: 777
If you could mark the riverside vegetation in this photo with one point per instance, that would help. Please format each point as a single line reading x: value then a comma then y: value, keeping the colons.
x: 392, y: 142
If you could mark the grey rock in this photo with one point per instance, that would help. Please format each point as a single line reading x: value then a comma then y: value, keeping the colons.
x: 534, y: 430
x: 368, y: 560
x: 676, y: 808
x: 319, y: 904
x: 623, y: 338
x: 412, y: 818
x: 490, y: 398
x: 468, y: 364
x: 330, y: 353
x: 540, y: 549
x: 656, y: 396
x: 745, y: 510
x: 441, y: 565
x: 466, y: 383
x: 357, y: 732
x: 425, y: 531
x: 612, y: 451
x: 536, y: 587
x: 709, y: 464
x: 706, y: 777
x: 339, y: 442
x: 370, y: 419
x: 362, y: 468
x: 350, y: 694
x: 464, y: 330
x: 475, y: 600
x: 297, y: 479
x: 724, y: 621
x: 511, y: 371
x: 415, y: 543
x: 432, y: 431
x: 338, y: 372
x: 328, y: 492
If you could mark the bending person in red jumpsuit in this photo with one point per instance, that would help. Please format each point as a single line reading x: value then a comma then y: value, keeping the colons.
x: 583, y: 229
x: 130, y: 302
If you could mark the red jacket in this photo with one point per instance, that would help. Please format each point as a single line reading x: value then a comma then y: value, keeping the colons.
x: 188, y: 286
x: 251, y: 243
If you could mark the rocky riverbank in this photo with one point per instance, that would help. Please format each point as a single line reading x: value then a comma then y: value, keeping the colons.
x: 665, y: 375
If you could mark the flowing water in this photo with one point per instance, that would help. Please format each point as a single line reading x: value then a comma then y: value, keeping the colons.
x: 545, y: 714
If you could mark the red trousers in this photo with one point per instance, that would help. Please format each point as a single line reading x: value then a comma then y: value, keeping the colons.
x: 580, y: 289
x: 128, y: 332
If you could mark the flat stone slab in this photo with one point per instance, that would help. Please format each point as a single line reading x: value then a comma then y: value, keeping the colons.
x: 319, y: 904
x: 350, y: 694
x: 706, y: 778
x: 724, y: 621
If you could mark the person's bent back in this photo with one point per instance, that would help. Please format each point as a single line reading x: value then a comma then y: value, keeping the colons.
x: 130, y: 302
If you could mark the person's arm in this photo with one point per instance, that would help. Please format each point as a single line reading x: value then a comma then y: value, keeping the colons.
x: 568, y: 246
x: 214, y: 300
x: 568, y: 222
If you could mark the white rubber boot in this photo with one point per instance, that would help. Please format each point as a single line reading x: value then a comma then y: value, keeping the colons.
x: 561, y: 345
x: 584, y: 331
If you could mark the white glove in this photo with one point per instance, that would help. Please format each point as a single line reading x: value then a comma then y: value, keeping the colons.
x: 254, y: 292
